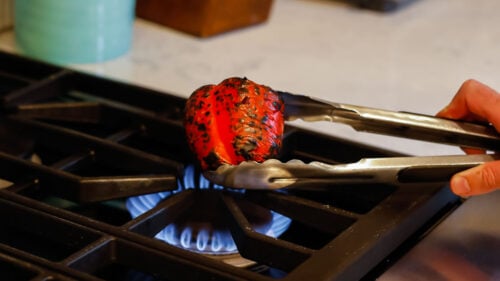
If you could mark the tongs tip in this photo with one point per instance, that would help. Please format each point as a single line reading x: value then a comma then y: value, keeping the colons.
x: 267, y: 175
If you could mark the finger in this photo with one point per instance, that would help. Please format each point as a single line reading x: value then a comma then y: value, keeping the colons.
x: 474, y: 101
x: 478, y: 180
x: 457, y: 108
x: 470, y: 92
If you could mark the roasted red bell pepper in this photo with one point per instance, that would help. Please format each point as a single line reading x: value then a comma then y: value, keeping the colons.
x: 234, y: 121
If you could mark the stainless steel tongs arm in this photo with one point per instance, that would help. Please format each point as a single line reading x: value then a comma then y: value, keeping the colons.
x: 399, y: 124
x: 274, y: 174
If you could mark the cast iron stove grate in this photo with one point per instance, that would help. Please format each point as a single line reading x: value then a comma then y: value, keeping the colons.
x: 75, y: 146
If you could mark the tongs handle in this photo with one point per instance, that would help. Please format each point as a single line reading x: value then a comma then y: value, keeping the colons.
x: 273, y: 174
x: 393, y: 123
x: 423, y: 127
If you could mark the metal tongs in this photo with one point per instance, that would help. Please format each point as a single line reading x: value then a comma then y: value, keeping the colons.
x: 274, y: 174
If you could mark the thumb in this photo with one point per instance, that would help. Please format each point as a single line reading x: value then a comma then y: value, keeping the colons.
x: 478, y: 180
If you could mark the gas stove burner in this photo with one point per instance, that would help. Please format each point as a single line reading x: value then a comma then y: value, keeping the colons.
x: 203, y: 231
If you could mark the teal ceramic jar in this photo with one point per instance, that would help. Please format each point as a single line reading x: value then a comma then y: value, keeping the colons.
x: 74, y: 31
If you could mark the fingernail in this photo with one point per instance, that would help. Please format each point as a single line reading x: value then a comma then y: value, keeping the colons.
x: 460, y: 186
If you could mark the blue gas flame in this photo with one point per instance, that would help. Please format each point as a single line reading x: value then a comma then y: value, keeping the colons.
x: 199, y: 239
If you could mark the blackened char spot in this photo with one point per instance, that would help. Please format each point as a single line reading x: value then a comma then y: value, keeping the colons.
x: 206, y: 137
x: 277, y: 105
x: 202, y: 127
x: 274, y: 149
x: 212, y: 160
x: 243, y: 87
x: 246, y: 149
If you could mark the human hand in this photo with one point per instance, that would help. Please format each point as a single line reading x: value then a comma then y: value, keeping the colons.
x: 475, y: 101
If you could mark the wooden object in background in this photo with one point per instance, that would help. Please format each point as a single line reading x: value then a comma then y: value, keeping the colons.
x: 6, y: 14
x: 204, y: 18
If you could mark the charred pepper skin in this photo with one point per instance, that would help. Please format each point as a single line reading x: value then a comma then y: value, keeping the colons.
x: 234, y: 121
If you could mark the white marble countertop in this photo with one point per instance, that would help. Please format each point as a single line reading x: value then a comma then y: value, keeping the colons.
x: 411, y: 60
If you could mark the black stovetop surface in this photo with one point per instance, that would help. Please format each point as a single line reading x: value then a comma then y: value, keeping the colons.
x: 74, y: 147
